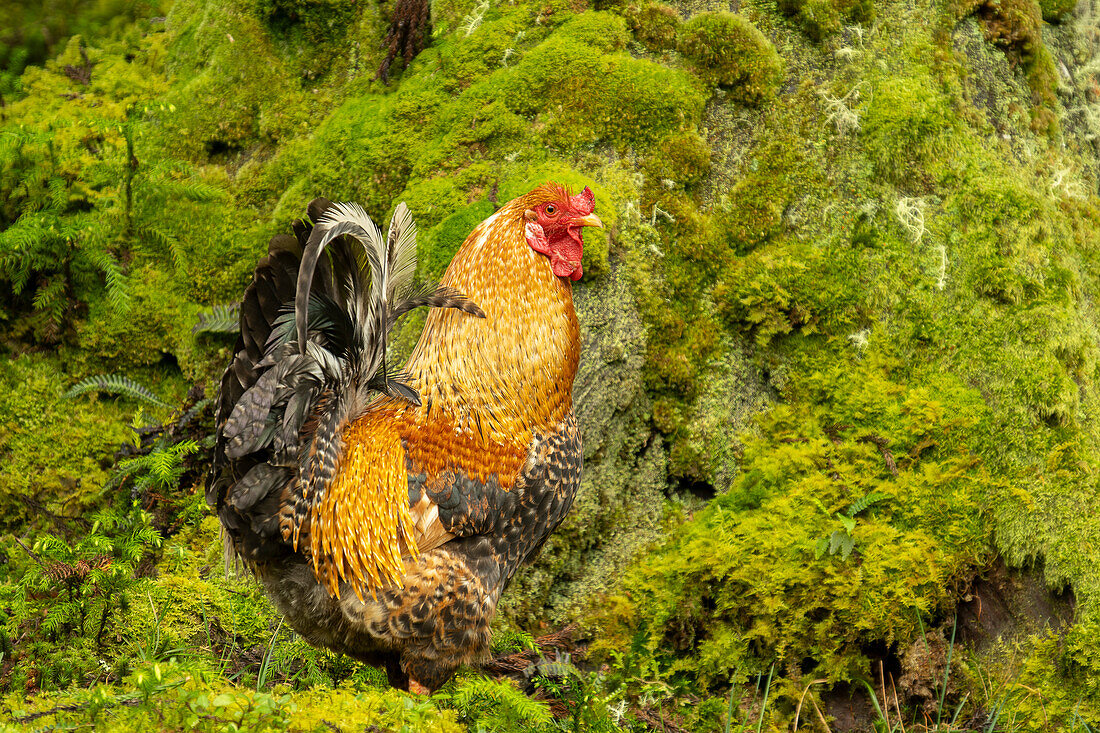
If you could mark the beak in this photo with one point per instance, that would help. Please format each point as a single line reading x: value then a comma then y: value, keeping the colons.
x: 588, y: 221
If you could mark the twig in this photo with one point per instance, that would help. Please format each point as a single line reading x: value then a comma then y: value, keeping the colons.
x: 26, y: 549
x: 885, y: 700
x: 886, y: 454
x: 897, y: 705
x: 798, y: 710
x: 820, y: 716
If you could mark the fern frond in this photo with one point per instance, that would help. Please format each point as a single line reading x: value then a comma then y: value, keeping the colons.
x: 198, y: 192
x: 164, y: 464
x: 49, y: 299
x: 872, y: 498
x: 157, y: 235
x: 118, y: 284
x: 499, y: 705
x: 53, y: 548
x: 219, y: 319
x: 114, y: 384
x: 59, y: 194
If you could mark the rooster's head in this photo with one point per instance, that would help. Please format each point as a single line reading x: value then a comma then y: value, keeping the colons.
x: 553, y: 221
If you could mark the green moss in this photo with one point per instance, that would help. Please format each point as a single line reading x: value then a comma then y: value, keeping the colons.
x: 822, y: 18
x: 1016, y: 27
x: 702, y: 607
x: 655, y: 25
x: 174, y: 697
x: 727, y: 50
x: 313, y: 21
x: 54, y: 452
x: 582, y: 97
x: 1056, y: 10
x: 442, y: 241
x: 603, y: 31
x: 909, y: 125
x: 680, y: 161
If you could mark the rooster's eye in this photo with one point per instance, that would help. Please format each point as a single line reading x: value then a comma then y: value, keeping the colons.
x: 551, y: 209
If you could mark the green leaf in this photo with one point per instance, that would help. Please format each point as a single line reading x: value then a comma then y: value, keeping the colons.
x: 848, y: 522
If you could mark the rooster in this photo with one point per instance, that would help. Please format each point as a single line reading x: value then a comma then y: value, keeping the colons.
x: 386, y: 510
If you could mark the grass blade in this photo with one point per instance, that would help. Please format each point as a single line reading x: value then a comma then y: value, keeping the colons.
x: 261, y: 679
x: 729, y: 711
x: 947, y: 670
x: 764, y: 705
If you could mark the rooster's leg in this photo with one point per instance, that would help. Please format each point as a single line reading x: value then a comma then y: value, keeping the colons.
x: 418, y: 689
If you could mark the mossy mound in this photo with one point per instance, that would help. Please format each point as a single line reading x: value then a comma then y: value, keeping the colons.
x: 655, y: 25
x: 728, y: 50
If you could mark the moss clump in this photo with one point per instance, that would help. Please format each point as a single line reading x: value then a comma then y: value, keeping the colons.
x: 440, y: 243
x: 822, y: 18
x: 604, y: 31
x: 53, y: 452
x: 313, y: 21
x: 729, y: 51
x: 851, y: 548
x: 581, y: 96
x: 656, y: 26
x: 780, y: 172
x: 680, y: 161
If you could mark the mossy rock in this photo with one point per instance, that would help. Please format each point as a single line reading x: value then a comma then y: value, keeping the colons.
x: 729, y: 51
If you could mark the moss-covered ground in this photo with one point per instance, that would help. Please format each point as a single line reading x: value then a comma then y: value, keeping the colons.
x: 840, y: 350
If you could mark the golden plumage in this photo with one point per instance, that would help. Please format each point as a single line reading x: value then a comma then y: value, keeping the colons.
x: 486, y: 386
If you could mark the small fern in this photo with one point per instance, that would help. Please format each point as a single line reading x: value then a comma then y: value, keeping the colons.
x: 873, y: 497
x: 114, y: 384
x: 220, y: 319
x: 118, y: 285
x: 90, y: 573
x: 161, y: 468
x: 498, y: 706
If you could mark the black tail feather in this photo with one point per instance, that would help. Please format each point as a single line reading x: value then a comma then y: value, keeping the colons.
x: 310, y: 358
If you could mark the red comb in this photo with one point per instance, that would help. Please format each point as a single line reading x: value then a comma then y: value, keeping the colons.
x: 584, y: 202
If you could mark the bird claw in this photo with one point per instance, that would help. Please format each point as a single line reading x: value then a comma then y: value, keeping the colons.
x: 418, y: 689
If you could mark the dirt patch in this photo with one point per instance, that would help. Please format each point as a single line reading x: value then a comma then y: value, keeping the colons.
x: 1001, y: 604
x: 1005, y: 604
x: 849, y: 708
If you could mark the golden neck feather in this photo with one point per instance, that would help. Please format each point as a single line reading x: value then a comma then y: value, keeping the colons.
x: 510, y: 373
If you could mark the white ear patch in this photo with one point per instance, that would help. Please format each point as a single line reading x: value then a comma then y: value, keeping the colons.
x: 536, y: 238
